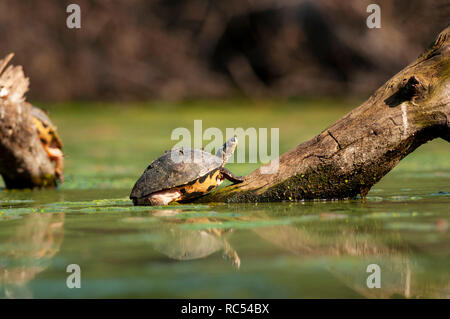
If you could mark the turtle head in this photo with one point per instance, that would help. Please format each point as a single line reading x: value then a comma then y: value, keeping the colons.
x: 227, y: 149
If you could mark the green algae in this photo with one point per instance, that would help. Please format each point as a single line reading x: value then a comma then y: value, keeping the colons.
x: 292, y: 249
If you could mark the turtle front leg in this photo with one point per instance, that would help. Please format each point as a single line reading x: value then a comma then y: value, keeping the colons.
x: 59, y: 168
x: 57, y: 156
x: 225, y: 173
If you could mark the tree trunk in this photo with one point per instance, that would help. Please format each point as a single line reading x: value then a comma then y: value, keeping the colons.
x: 354, y: 153
x: 23, y: 161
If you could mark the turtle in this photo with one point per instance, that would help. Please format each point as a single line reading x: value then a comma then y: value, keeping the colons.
x: 183, y: 174
x: 50, y: 140
x: 185, y: 244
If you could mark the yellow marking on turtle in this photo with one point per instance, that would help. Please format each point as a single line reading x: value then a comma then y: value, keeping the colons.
x: 52, y: 145
x: 44, y: 131
x: 47, y: 133
x: 200, y: 186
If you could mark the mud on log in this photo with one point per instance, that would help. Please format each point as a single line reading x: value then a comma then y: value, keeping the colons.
x: 354, y: 153
x: 23, y: 161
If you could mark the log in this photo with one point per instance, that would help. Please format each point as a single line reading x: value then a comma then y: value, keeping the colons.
x: 23, y: 161
x: 355, y: 152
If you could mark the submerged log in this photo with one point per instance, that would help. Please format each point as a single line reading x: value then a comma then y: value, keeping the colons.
x: 23, y: 161
x: 354, y: 153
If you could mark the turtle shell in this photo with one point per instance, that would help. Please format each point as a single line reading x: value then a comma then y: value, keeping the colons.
x: 46, y: 129
x: 41, y: 115
x: 183, y: 244
x: 175, y: 168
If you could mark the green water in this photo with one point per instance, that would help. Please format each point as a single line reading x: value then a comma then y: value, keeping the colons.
x: 281, y: 250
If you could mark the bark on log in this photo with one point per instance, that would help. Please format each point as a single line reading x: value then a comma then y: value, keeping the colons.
x: 354, y: 153
x: 23, y: 161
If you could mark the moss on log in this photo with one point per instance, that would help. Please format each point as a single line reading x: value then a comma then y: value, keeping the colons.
x: 354, y: 153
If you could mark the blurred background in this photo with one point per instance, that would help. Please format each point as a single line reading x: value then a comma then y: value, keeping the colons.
x: 185, y: 49
x: 136, y: 70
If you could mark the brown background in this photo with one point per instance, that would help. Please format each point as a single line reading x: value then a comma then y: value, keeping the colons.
x: 177, y: 49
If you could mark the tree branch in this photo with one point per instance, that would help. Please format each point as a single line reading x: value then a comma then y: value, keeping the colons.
x: 354, y: 153
x: 23, y: 161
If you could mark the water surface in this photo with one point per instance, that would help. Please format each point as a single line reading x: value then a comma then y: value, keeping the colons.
x: 281, y: 250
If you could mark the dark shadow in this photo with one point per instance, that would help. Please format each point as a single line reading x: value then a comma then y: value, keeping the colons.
x: 406, y: 93
x: 255, y: 34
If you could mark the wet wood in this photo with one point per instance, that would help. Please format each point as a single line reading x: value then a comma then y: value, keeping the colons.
x: 23, y: 161
x: 354, y: 153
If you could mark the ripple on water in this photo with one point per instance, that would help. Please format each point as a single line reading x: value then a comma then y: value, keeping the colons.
x: 403, y: 198
x: 440, y: 193
x: 15, y: 201
x: 437, y: 226
x: 388, y: 215
x: 9, y: 217
x: 374, y: 198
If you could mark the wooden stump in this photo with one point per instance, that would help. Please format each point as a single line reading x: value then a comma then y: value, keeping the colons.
x: 354, y: 153
x: 23, y: 161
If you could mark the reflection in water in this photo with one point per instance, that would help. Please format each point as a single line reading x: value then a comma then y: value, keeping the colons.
x: 347, y: 250
x: 183, y: 244
x: 289, y: 249
x: 29, y: 251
